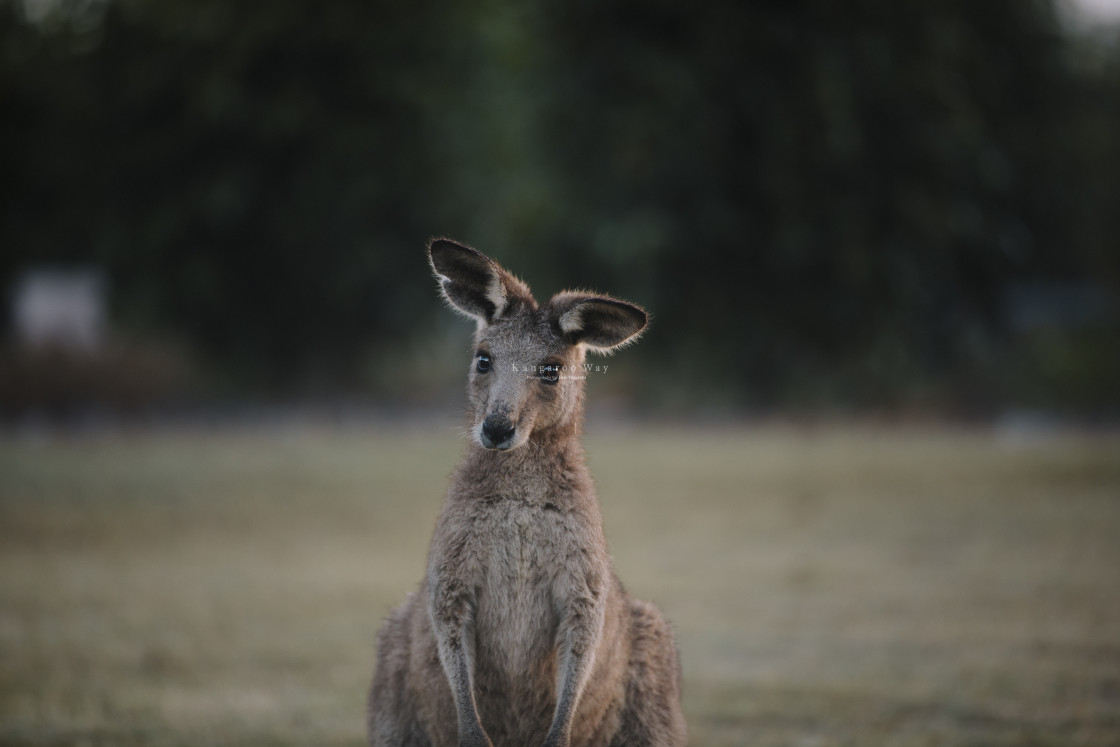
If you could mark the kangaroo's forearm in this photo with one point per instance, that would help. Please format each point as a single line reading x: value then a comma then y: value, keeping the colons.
x: 451, y: 608
x: 456, y: 657
x: 584, y: 633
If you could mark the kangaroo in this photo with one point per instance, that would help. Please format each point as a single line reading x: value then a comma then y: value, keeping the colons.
x: 521, y: 633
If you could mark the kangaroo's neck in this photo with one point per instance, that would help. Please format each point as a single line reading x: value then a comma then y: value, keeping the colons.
x: 547, y: 469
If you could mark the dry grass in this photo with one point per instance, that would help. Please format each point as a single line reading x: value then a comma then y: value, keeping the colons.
x: 830, y: 587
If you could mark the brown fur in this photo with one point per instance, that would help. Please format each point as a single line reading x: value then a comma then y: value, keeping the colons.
x: 521, y: 633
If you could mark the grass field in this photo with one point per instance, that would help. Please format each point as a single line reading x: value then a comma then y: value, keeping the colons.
x: 829, y: 587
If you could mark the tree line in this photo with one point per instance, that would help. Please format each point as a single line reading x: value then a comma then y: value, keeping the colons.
x: 821, y: 205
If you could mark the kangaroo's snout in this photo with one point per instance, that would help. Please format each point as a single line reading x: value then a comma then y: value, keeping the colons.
x: 497, y: 432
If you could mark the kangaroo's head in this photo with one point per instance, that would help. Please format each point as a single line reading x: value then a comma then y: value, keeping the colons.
x: 526, y: 375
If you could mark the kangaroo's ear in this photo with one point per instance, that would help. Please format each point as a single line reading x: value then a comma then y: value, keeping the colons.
x: 473, y: 283
x: 601, y: 323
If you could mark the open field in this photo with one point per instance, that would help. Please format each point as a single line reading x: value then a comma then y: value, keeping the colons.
x: 829, y: 587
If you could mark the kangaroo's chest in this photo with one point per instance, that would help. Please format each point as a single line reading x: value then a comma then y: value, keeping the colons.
x: 517, y: 615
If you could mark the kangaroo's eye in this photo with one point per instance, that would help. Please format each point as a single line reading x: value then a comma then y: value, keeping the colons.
x: 483, y: 364
x: 550, y: 372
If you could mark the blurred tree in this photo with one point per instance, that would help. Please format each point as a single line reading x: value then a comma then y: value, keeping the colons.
x: 820, y: 204
x: 841, y: 193
x: 247, y: 174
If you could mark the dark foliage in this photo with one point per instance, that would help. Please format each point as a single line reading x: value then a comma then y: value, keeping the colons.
x: 822, y: 204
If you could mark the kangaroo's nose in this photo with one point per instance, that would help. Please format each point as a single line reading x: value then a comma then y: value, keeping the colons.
x: 497, y: 428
